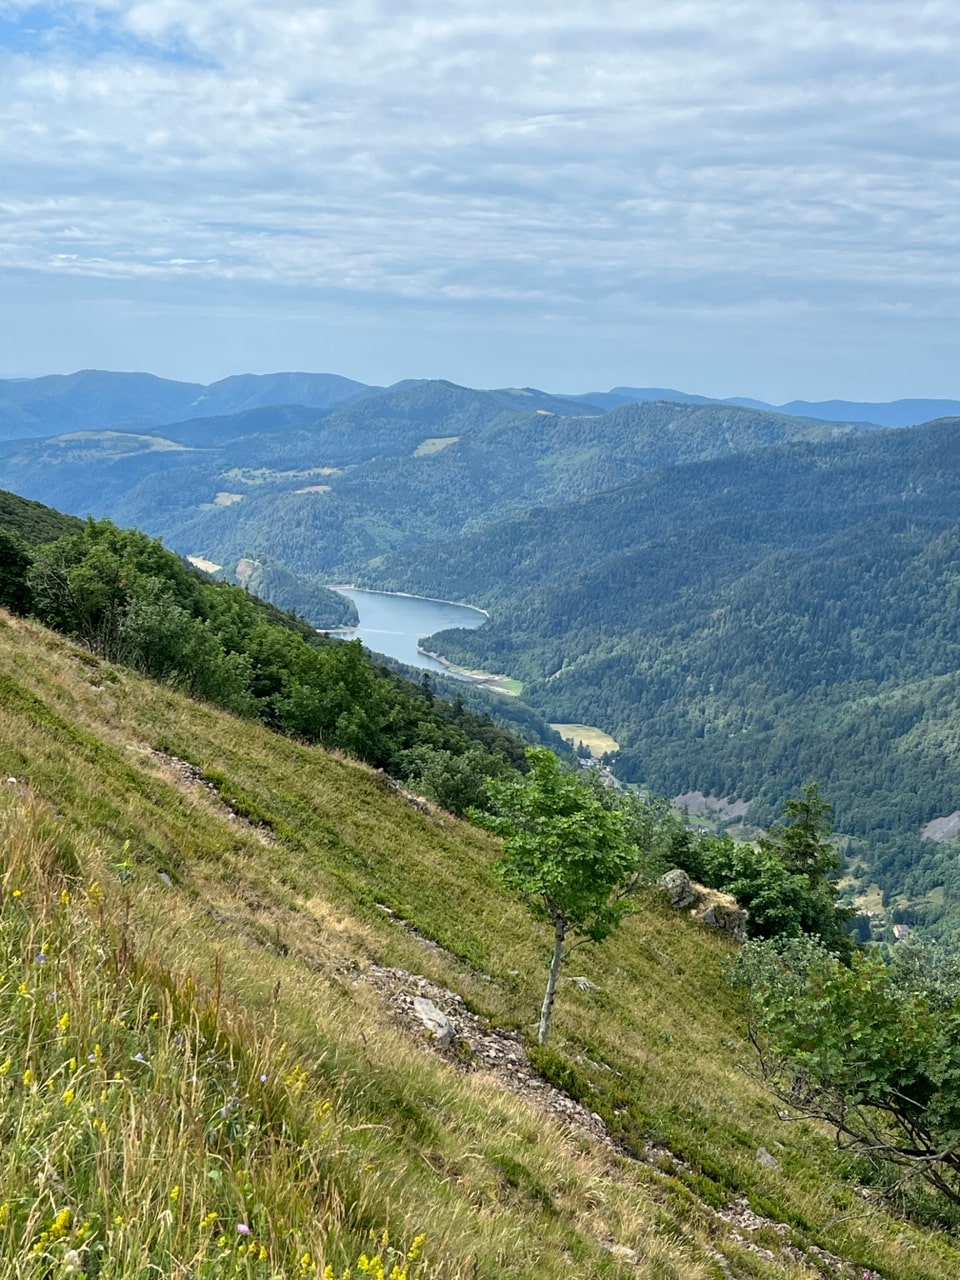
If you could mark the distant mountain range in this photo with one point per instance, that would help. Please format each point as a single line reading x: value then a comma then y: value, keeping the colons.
x: 97, y: 400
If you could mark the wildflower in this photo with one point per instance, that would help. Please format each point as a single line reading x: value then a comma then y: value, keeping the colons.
x: 18, y: 893
x: 68, y: 1096
x: 138, y: 1057
x: 28, y: 1077
x: 5, y: 1066
x: 4, y: 1213
x: 63, y: 1022
x: 175, y: 1193
x: 208, y: 1220
x: 61, y: 1225
x: 64, y: 898
x: 263, y: 1077
x: 413, y: 1253
x: 242, y: 1229
x: 41, y: 957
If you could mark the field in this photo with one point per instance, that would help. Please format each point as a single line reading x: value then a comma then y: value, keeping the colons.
x: 595, y: 740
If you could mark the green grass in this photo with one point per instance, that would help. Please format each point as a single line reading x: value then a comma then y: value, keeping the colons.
x: 226, y: 939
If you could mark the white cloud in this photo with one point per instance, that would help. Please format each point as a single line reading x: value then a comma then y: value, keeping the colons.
x: 570, y: 159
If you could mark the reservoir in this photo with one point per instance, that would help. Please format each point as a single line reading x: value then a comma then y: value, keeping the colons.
x: 394, y: 624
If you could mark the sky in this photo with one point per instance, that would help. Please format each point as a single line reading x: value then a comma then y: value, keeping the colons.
x: 730, y: 197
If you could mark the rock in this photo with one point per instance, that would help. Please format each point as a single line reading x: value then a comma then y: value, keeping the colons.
x: 709, y: 906
x: 765, y: 1159
x: 436, y: 1022
x: 625, y: 1254
x: 679, y: 888
x: 722, y: 911
x: 584, y: 984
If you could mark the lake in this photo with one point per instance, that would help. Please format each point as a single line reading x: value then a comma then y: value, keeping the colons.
x: 394, y: 624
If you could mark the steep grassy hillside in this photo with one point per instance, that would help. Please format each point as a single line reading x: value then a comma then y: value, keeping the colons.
x: 209, y: 936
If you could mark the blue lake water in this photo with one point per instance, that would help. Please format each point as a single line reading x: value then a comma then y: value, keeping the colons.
x: 395, y: 624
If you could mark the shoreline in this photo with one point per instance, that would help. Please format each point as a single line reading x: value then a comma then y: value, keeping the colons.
x: 404, y: 595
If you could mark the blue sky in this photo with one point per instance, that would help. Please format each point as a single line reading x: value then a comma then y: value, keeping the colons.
x: 726, y: 196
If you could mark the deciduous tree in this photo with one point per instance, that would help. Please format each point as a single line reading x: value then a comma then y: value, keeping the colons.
x: 568, y: 855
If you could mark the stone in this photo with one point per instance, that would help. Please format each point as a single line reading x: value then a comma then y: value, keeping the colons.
x: 679, y: 888
x: 722, y: 911
x: 436, y: 1022
x: 625, y: 1254
x: 584, y: 984
x: 765, y: 1159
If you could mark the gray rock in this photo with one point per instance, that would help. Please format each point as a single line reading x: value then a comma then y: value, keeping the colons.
x: 584, y: 984
x: 436, y: 1022
x: 727, y: 914
x: 765, y: 1159
x: 624, y: 1253
x: 679, y: 888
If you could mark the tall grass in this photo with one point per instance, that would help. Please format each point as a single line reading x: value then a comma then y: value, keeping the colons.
x: 148, y: 1128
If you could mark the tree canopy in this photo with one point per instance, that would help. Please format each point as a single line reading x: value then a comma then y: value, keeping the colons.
x: 568, y: 854
x: 871, y: 1048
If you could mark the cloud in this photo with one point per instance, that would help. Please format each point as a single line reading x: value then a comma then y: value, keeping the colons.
x: 567, y: 159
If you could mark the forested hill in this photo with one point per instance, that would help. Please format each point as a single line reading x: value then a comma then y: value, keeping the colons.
x: 427, y: 461
x: 745, y: 625
x: 95, y: 399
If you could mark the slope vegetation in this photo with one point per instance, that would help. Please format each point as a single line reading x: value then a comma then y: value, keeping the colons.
x: 206, y: 1077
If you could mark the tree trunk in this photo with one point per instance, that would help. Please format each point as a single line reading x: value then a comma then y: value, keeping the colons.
x: 559, y: 933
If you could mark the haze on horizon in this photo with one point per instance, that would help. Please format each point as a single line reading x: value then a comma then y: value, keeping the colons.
x: 726, y: 198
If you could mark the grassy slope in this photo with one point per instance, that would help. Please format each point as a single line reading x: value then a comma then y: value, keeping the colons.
x: 255, y: 944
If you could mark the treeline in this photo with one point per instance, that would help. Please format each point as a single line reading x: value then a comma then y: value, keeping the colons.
x: 132, y: 601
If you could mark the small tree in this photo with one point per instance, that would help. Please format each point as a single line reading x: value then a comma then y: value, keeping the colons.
x: 568, y: 856
x: 871, y: 1049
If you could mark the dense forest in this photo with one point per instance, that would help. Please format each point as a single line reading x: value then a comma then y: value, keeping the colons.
x: 131, y: 601
x: 321, y: 493
x: 746, y: 625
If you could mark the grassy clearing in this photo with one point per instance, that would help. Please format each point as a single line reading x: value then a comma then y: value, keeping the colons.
x: 594, y: 739
x: 434, y: 444
x: 218, y: 930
